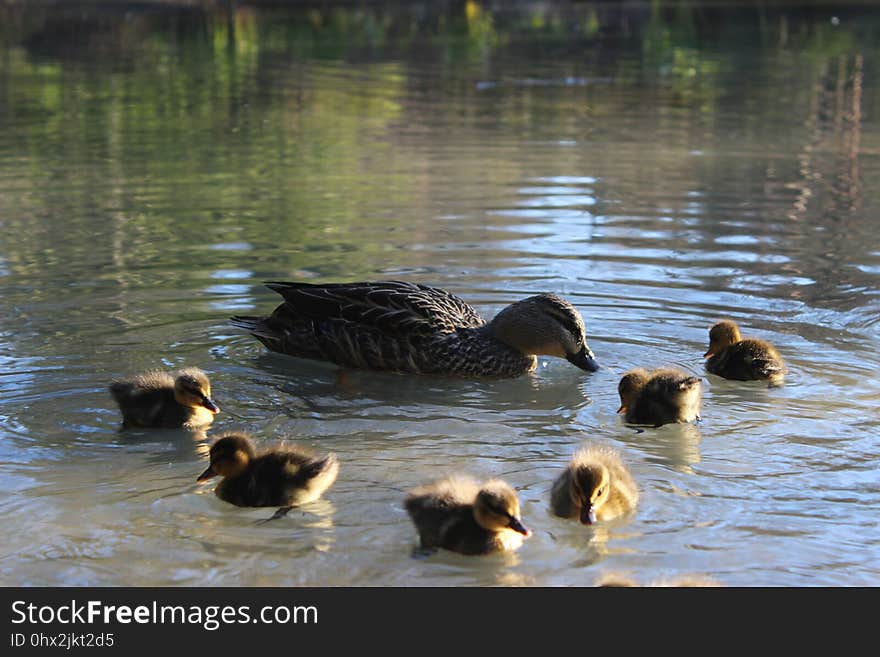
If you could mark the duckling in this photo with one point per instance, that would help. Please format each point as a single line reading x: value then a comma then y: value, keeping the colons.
x: 743, y: 359
x: 460, y: 515
x: 407, y: 327
x: 596, y: 486
x: 282, y: 476
x: 158, y: 399
x: 660, y: 397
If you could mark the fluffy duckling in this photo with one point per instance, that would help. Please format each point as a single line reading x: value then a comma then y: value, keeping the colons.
x: 158, y: 399
x: 596, y: 486
x: 743, y: 359
x: 283, y: 476
x: 660, y: 397
x: 461, y: 515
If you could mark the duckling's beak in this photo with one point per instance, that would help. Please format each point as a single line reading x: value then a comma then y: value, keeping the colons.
x: 622, y: 409
x: 709, y: 352
x: 588, y: 514
x: 208, y: 403
x: 207, y: 474
x: 517, y: 526
x: 583, y: 359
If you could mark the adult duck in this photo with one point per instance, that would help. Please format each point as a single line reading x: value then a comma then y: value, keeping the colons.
x: 407, y: 327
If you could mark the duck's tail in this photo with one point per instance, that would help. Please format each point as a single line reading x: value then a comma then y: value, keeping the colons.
x: 259, y: 328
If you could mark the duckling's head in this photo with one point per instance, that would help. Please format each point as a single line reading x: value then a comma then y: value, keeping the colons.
x: 192, y: 388
x: 721, y: 336
x: 631, y: 384
x: 545, y: 325
x: 230, y: 456
x: 497, y: 508
x: 590, y: 487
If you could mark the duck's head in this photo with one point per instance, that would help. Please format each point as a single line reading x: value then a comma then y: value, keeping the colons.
x: 192, y: 388
x: 721, y: 336
x: 545, y: 325
x: 631, y: 384
x: 230, y: 456
x: 497, y: 508
x: 590, y: 487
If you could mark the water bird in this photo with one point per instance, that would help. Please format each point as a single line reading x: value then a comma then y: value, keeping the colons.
x: 411, y: 328
x: 285, y: 477
x: 662, y: 396
x: 463, y: 516
x: 161, y: 400
x: 743, y: 359
x: 595, y: 486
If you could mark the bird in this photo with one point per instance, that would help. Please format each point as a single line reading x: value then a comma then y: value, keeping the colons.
x: 595, y: 486
x: 412, y: 328
x: 285, y: 477
x: 163, y: 400
x: 662, y: 396
x: 463, y: 516
x: 743, y: 359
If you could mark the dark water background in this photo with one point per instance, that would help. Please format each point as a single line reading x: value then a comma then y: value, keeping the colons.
x: 661, y: 165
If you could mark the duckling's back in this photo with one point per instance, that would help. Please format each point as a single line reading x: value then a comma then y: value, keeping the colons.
x: 748, y: 360
x: 147, y: 400
x: 669, y: 396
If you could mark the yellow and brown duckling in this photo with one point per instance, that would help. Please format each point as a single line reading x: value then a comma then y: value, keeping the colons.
x: 285, y: 477
x: 162, y: 400
x: 407, y: 327
x: 596, y: 486
x: 663, y: 396
x: 743, y: 359
x: 460, y: 515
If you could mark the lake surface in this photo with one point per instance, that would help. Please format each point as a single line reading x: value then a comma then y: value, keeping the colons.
x: 661, y: 169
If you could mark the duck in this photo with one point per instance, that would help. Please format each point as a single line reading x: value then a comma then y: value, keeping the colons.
x: 285, y: 477
x: 596, y: 486
x: 742, y: 359
x: 158, y: 399
x: 662, y: 396
x: 461, y: 515
x: 412, y: 328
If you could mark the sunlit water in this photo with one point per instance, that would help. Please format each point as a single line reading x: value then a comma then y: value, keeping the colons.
x: 157, y: 166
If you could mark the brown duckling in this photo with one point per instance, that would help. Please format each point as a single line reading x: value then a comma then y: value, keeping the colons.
x: 596, y: 486
x: 663, y: 396
x: 158, y: 399
x: 282, y: 476
x: 460, y: 515
x: 743, y: 359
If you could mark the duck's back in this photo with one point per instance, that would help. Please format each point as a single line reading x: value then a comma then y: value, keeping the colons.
x: 280, y: 478
x: 668, y: 396
x: 748, y: 360
x: 147, y: 400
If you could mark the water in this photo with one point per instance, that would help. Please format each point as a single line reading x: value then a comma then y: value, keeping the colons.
x: 660, y: 169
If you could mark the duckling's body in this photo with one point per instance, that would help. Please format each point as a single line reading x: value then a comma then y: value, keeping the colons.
x: 460, y: 515
x: 596, y: 486
x: 160, y: 400
x: 663, y: 396
x: 742, y: 359
x: 283, y: 476
x: 406, y: 327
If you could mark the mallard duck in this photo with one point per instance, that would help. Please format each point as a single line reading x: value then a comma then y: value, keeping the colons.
x: 660, y: 397
x: 743, y: 359
x: 460, y: 515
x: 282, y: 476
x: 158, y: 399
x: 407, y: 327
x: 596, y: 486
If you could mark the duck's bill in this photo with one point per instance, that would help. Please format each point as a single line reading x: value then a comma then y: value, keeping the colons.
x: 207, y: 474
x: 517, y: 526
x: 588, y: 515
x: 208, y: 403
x: 583, y: 359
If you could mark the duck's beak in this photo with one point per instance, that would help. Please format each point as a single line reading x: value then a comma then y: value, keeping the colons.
x: 517, y: 526
x: 207, y: 474
x: 208, y: 403
x: 588, y: 514
x: 583, y: 359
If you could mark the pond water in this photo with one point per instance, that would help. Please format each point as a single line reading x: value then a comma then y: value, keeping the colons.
x: 661, y: 169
